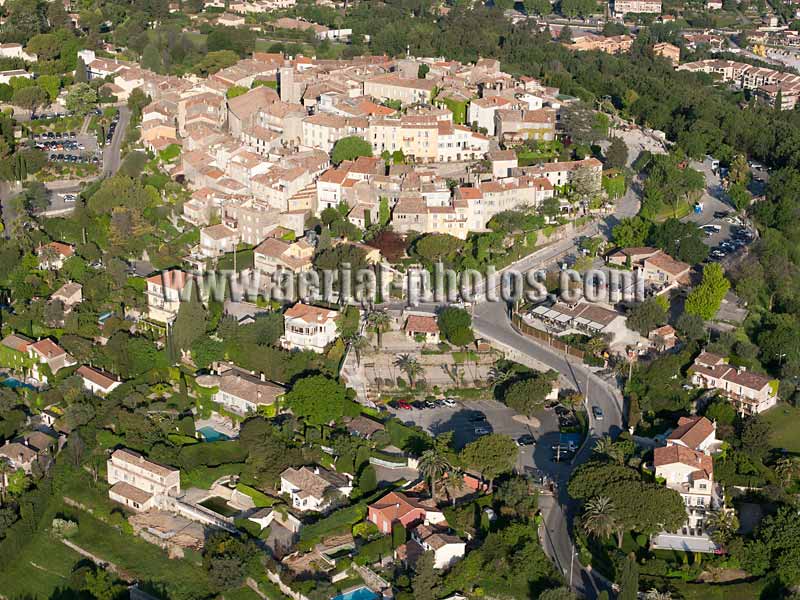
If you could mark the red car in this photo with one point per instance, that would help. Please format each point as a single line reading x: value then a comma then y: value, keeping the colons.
x: 404, y: 405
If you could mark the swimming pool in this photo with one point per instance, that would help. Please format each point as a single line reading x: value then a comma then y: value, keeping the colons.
x: 362, y: 593
x: 13, y: 383
x: 212, y: 435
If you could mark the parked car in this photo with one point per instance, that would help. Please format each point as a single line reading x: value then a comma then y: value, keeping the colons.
x: 403, y: 405
x: 482, y: 431
x: 450, y: 402
x: 526, y: 440
x: 597, y: 412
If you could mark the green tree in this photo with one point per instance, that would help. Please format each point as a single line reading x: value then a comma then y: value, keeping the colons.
x: 190, y: 323
x: 367, y: 480
x: 432, y: 466
x: 350, y: 148
x: 705, y: 300
x: 538, y: 7
x: 527, y: 396
x: 492, y: 455
x: 50, y: 84
x: 410, y: 366
x: 320, y: 400
x: 617, y: 154
x: 629, y: 580
x: 631, y: 232
x: 455, y: 324
x: 81, y: 98
x: 427, y: 581
x: 436, y: 247
x: 600, y: 519
x: 81, y: 73
x: 647, y: 315
x: 30, y: 98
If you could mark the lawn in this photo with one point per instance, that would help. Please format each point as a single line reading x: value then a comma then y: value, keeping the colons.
x: 43, y: 566
x: 784, y: 421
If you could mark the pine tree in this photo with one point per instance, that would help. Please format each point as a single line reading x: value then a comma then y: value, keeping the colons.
x: 81, y: 75
x: 629, y: 580
x: 191, y: 321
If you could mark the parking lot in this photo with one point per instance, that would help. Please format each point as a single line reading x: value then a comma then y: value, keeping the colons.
x: 69, y: 147
x: 469, y: 420
x: 725, y: 233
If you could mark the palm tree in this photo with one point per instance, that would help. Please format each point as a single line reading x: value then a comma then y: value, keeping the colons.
x: 654, y: 594
x: 432, y: 466
x: 410, y: 366
x: 358, y: 343
x: 600, y: 519
x: 596, y: 345
x: 379, y: 321
x: 605, y: 447
x: 454, y: 481
x: 499, y: 376
x: 722, y: 525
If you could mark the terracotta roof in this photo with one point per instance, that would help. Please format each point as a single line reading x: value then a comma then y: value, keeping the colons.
x: 134, y: 494
x: 134, y: 458
x: 172, y: 279
x: 395, y: 505
x: 16, y: 342
x: 47, y: 348
x: 691, y: 431
x: 249, y: 387
x: 61, y: 248
x: 310, y: 314
x: 676, y: 454
x: 666, y: 263
x: 100, y: 378
x: 421, y: 324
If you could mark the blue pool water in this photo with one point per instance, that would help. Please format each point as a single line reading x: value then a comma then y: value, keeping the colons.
x: 212, y: 435
x: 12, y: 383
x: 362, y: 593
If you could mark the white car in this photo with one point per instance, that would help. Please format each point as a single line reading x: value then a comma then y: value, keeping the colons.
x: 450, y: 403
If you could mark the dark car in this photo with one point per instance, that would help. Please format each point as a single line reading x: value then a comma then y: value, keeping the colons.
x: 476, y: 418
x: 526, y: 440
x: 721, y: 214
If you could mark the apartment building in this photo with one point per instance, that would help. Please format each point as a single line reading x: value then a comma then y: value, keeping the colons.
x: 768, y: 83
x: 686, y: 466
x: 138, y: 483
x: 623, y: 7
x: 669, y: 51
x: 614, y: 44
x: 750, y: 393
x: 309, y: 327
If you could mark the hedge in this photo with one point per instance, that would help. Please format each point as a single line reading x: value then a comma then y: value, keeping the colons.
x: 341, y: 520
x: 211, y: 454
x: 374, y: 550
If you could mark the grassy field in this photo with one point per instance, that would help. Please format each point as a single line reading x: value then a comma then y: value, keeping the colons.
x: 784, y: 421
x: 42, y: 567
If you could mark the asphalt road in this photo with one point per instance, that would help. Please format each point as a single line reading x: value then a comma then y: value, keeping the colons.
x: 111, y: 153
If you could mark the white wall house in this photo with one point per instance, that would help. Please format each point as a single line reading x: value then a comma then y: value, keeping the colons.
x: 309, y: 327
x: 137, y: 482
x: 312, y: 488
